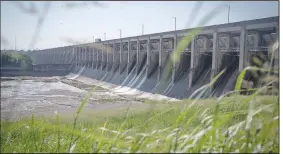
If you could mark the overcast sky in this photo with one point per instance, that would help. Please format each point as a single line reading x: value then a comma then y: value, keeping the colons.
x: 62, y: 23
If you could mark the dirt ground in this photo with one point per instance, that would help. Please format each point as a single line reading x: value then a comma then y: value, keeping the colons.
x: 44, y: 96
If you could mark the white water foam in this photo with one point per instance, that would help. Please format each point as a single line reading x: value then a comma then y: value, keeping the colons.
x: 138, y: 77
x: 131, y: 91
x: 123, y: 90
x: 129, y: 75
x: 131, y: 81
x: 79, y: 73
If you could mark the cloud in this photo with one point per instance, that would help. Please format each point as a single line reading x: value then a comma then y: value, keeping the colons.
x: 4, y: 41
x: 70, y: 5
x: 31, y: 9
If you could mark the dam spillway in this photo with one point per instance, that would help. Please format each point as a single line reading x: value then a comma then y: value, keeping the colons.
x: 139, y: 62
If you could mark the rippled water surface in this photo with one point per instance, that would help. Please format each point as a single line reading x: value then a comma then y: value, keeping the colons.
x: 24, y: 97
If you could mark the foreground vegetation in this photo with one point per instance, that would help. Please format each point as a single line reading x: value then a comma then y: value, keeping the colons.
x: 232, y: 124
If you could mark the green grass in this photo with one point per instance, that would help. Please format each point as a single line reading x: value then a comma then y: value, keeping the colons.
x: 199, y: 128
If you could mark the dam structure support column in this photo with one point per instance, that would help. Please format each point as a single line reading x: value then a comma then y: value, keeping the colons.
x: 120, y: 60
x: 194, y: 55
x: 84, y: 62
x: 61, y: 59
x: 77, y: 55
x: 72, y: 55
x: 89, y: 57
x: 102, y: 57
x: 215, y: 55
x: 96, y: 61
x: 129, y: 55
x: 62, y: 53
x: 59, y: 54
x: 97, y: 58
x: 52, y: 54
x: 243, y: 47
x: 173, y: 59
x: 55, y: 55
x: 160, y: 57
x: 86, y: 56
x: 69, y: 55
x: 82, y: 57
x: 93, y: 58
x: 114, y: 55
x: 66, y: 53
x: 107, y: 55
x: 110, y: 56
x: 147, y: 57
x: 138, y: 56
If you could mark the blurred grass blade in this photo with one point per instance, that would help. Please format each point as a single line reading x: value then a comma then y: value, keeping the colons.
x: 78, y: 113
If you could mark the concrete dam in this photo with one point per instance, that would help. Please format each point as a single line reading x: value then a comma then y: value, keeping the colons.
x: 139, y: 62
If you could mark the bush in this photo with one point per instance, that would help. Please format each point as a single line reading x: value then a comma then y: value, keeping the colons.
x: 23, y: 60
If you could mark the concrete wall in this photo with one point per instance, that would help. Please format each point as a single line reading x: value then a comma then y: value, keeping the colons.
x: 139, y: 62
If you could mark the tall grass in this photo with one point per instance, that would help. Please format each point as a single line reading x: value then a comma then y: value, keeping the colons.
x: 232, y: 124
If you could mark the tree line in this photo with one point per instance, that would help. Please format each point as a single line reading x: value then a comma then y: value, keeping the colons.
x: 16, y: 59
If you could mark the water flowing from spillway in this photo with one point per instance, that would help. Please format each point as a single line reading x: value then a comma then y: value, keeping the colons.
x: 81, y: 70
x: 230, y: 62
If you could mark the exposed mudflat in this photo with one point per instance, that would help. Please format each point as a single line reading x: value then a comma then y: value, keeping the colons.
x: 43, y: 96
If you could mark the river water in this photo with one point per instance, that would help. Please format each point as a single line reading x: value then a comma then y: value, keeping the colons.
x: 22, y: 97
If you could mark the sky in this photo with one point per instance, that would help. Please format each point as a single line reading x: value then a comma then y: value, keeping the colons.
x: 29, y: 25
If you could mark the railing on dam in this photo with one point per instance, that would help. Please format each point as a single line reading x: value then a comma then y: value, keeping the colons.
x: 139, y: 61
